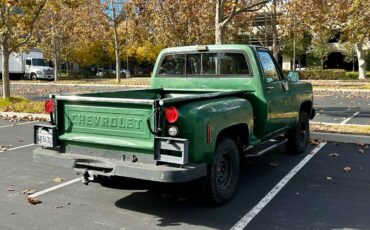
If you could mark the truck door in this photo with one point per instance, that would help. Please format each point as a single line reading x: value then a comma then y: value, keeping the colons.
x: 276, y: 95
x: 27, y: 68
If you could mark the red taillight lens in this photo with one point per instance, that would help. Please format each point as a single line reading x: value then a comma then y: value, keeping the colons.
x: 49, y: 106
x: 171, y: 114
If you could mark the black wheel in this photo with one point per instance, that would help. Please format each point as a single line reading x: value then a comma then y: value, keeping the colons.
x: 33, y: 77
x: 223, y: 174
x: 298, y: 138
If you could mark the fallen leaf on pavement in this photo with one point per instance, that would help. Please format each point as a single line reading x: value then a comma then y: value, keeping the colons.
x: 10, y: 189
x: 57, y: 180
x: 29, y: 192
x: 314, y: 142
x: 347, y: 169
x: 3, y: 148
x: 274, y: 164
x: 63, y: 205
x: 166, y: 196
x: 181, y: 199
x: 33, y: 200
x: 361, y: 151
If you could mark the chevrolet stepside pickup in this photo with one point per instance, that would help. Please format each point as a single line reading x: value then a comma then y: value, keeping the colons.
x: 207, y: 107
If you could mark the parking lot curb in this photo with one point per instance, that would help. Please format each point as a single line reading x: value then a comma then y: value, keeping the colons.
x: 84, y: 85
x: 28, y: 116
x: 343, y: 138
x: 315, y: 89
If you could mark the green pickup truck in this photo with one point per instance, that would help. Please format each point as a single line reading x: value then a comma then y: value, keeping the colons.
x: 207, y: 107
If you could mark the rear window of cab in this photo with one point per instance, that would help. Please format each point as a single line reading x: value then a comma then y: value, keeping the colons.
x: 204, y: 64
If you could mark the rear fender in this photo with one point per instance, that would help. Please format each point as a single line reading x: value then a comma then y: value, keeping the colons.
x: 218, y: 115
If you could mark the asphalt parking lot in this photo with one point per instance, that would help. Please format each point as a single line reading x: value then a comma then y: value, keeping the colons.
x: 276, y: 191
x: 342, y: 107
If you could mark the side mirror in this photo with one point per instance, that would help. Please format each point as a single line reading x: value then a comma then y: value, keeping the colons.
x: 269, y: 79
x: 293, y: 76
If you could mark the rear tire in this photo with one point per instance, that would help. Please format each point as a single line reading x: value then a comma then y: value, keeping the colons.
x: 298, y: 138
x: 223, y: 174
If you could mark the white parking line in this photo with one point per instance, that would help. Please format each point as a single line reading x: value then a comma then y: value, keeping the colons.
x: 20, y: 147
x: 55, y: 187
x: 346, y: 120
x: 247, y: 218
x: 15, y: 124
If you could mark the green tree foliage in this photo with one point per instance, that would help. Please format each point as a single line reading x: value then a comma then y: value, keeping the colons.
x: 17, y: 23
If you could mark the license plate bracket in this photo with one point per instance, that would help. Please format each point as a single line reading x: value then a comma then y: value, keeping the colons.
x: 45, y: 135
x: 171, y: 150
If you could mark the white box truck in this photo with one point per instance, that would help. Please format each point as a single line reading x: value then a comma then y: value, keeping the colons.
x: 29, y: 65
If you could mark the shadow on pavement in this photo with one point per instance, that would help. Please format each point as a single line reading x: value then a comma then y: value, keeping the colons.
x: 175, y: 204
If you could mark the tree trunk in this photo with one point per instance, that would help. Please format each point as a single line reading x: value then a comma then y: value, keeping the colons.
x: 361, y: 62
x: 56, y: 68
x: 117, y: 53
x: 220, y: 35
x: 322, y: 64
x: 5, y: 73
x: 353, y: 66
x: 219, y: 27
x: 275, y: 45
x: 68, y: 68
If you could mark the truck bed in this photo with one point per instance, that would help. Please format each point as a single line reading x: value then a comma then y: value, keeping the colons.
x: 119, y: 119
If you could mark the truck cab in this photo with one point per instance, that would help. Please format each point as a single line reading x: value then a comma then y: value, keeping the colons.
x: 38, y: 68
x: 207, y: 108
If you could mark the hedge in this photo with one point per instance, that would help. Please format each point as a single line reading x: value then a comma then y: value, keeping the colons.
x: 326, y: 74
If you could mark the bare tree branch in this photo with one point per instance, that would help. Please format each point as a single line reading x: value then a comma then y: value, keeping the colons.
x: 232, y: 14
x: 251, y: 8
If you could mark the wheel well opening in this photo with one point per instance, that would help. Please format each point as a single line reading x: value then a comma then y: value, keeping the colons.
x: 306, y: 107
x: 239, y: 133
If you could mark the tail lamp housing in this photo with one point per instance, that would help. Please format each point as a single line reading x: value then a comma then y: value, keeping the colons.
x: 50, y: 109
x: 49, y: 106
x: 171, y: 114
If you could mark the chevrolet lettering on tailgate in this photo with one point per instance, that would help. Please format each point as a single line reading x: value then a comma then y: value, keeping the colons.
x: 105, y: 121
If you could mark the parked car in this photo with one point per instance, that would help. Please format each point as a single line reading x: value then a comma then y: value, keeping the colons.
x: 207, y: 107
x: 104, y: 72
x: 124, y: 72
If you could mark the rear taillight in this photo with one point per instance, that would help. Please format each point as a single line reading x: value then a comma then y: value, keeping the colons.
x: 171, y: 114
x: 49, y: 106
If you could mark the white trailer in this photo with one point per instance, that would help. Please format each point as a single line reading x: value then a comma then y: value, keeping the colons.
x: 29, y: 65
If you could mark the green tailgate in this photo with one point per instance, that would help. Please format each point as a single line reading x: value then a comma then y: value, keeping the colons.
x: 119, y: 125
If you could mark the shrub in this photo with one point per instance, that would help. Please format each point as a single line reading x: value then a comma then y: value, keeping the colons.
x: 326, y: 74
x: 354, y: 75
x: 21, y: 105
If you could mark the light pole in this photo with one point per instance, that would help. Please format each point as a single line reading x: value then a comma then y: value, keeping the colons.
x: 294, y: 44
x: 128, y: 75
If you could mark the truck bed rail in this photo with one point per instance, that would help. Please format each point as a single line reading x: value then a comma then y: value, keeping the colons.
x: 103, y: 99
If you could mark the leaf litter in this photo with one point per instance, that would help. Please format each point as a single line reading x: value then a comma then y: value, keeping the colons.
x: 347, y: 169
x: 33, y: 200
